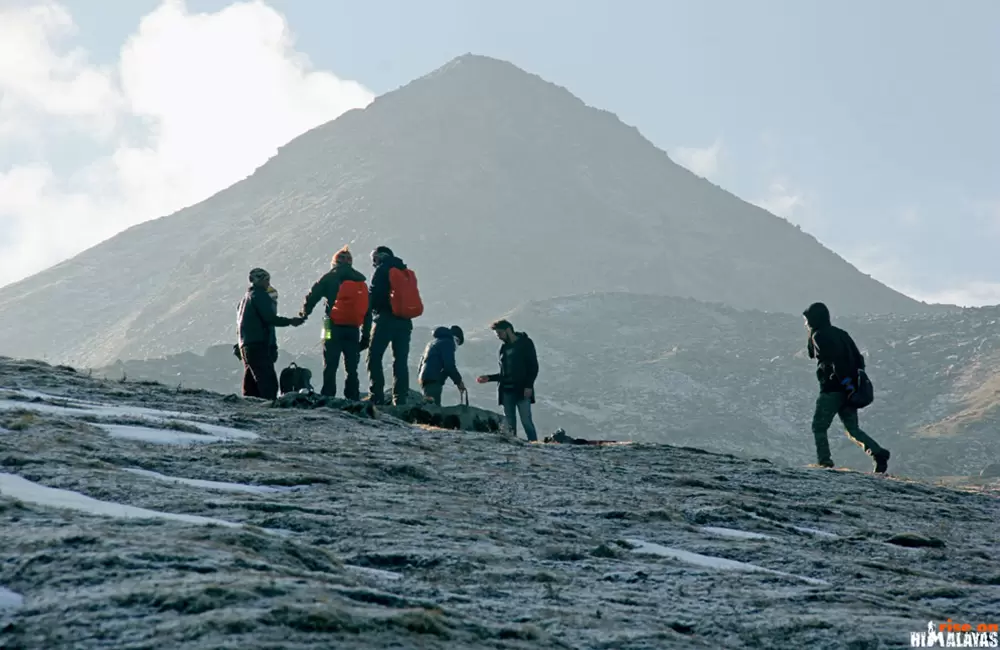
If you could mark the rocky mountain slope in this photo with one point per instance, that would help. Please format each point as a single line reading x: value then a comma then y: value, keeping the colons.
x: 145, y: 517
x: 659, y: 369
x: 493, y: 184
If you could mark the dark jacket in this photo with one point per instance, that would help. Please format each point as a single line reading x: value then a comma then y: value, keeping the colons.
x: 837, y: 356
x: 256, y: 319
x: 518, y: 367
x: 438, y: 362
x: 378, y: 295
x: 327, y: 287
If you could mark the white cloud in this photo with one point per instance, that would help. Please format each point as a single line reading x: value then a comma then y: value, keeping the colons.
x: 702, y: 161
x: 782, y: 200
x: 195, y: 103
x: 972, y: 294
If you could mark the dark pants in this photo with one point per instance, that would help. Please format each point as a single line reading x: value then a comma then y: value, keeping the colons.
x: 829, y: 405
x: 395, y: 332
x: 344, y: 341
x: 515, y: 404
x: 259, y: 377
x: 433, y: 390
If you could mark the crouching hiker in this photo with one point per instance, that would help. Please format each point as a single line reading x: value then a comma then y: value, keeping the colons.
x: 838, y: 361
x: 438, y: 364
x: 516, y: 379
x: 256, y: 320
x: 345, y: 291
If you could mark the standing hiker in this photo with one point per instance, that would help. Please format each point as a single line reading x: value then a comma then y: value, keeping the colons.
x: 838, y: 361
x: 438, y: 363
x: 516, y: 379
x: 256, y: 320
x: 346, y: 294
x: 394, y: 302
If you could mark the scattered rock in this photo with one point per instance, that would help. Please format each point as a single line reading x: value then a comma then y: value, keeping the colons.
x: 913, y: 540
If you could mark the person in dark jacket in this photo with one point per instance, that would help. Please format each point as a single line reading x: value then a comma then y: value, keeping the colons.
x: 516, y: 379
x: 256, y: 321
x: 438, y: 363
x: 385, y: 330
x: 837, y: 359
x: 344, y: 340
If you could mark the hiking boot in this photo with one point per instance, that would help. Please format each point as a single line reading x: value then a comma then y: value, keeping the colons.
x: 825, y: 463
x: 881, y: 460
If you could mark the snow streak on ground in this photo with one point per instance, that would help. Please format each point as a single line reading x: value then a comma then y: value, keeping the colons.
x: 391, y: 535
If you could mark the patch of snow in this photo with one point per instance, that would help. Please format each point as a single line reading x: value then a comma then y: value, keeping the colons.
x: 156, y: 436
x: 9, y: 599
x: 801, y: 529
x: 213, y: 485
x: 16, y: 487
x: 376, y: 573
x: 712, y: 562
x: 814, y: 531
x: 732, y: 532
x: 80, y: 408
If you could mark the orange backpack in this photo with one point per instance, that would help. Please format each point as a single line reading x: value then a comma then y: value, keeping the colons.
x: 404, y: 297
x: 351, y: 305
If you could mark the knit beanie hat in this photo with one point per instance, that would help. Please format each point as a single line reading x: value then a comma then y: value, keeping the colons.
x: 257, y: 274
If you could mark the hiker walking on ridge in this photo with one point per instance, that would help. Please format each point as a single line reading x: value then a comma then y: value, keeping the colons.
x: 345, y: 291
x: 394, y: 301
x: 516, y: 379
x: 838, y: 361
x: 438, y: 363
x: 256, y: 320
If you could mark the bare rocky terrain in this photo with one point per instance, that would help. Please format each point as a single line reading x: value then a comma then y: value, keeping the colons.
x: 669, y: 370
x: 139, y: 516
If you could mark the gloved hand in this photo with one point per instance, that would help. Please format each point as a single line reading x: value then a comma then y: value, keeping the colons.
x: 297, y: 320
x: 364, y: 344
x: 274, y: 355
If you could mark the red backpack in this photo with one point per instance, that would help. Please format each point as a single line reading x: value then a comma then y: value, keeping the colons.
x: 404, y: 297
x: 351, y: 305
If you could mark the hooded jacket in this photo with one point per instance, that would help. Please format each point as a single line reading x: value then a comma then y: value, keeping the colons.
x: 837, y: 356
x: 328, y: 286
x: 256, y: 318
x: 518, y: 367
x: 438, y: 362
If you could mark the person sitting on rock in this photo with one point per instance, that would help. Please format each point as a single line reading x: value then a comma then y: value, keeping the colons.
x: 438, y: 364
x: 837, y: 358
x: 256, y: 320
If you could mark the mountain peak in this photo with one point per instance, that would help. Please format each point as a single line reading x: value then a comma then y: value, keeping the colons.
x: 495, y: 185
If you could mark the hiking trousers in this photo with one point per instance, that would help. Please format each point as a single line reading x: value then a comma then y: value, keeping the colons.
x: 514, y: 405
x: 344, y: 341
x: 832, y: 404
x: 259, y: 377
x: 433, y: 391
x: 389, y: 331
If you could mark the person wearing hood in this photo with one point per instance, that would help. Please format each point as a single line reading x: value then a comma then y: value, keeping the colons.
x: 345, y: 291
x: 438, y: 363
x: 516, y: 379
x: 837, y: 360
x: 383, y: 330
x: 256, y: 320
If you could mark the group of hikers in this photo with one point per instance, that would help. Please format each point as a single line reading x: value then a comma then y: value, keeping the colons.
x: 378, y: 317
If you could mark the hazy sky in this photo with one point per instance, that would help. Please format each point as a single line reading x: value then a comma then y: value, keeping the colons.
x: 874, y: 125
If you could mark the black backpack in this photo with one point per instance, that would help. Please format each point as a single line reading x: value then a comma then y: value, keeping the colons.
x: 863, y: 393
x: 293, y: 379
